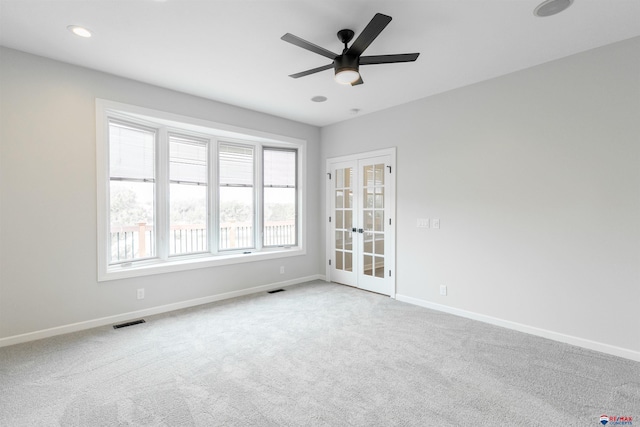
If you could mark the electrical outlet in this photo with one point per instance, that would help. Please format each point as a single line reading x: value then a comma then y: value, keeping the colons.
x: 443, y: 290
x: 435, y: 223
x: 423, y: 223
x: 141, y: 293
x: 282, y: 269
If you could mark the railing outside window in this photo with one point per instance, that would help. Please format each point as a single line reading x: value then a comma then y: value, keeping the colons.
x: 134, y: 242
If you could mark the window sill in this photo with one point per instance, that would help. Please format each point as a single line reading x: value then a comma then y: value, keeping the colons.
x: 151, y: 267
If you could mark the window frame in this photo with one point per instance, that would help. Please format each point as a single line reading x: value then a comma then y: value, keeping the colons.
x: 216, y: 133
x: 263, y: 187
x: 154, y: 180
x: 197, y: 140
x: 257, y: 164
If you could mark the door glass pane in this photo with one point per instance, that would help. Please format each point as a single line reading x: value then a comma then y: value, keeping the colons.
x: 368, y: 220
x: 379, y: 267
x: 368, y: 265
x: 373, y: 218
x: 339, y: 240
x: 339, y: 219
x: 339, y: 199
x: 379, y: 244
x: 368, y: 198
x: 379, y: 173
x: 368, y: 243
x: 343, y: 219
x: 368, y: 176
x: 348, y: 219
x: 379, y: 203
x: 379, y: 220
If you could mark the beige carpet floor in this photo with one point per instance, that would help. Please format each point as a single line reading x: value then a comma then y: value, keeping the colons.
x: 318, y: 354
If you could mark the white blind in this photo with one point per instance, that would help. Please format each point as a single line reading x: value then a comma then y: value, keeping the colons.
x: 187, y: 160
x: 279, y: 168
x: 236, y: 165
x: 131, y: 152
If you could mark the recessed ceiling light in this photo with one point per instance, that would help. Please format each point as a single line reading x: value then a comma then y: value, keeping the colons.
x: 319, y: 98
x: 551, y: 7
x: 79, y: 31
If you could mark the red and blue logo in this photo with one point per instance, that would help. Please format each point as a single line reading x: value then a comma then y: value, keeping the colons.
x: 616, y: 420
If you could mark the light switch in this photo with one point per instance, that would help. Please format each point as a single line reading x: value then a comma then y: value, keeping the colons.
x: 423, y: 223
x: 435, y: 223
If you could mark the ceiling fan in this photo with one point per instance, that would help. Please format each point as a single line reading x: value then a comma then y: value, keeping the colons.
x: 347, y: 65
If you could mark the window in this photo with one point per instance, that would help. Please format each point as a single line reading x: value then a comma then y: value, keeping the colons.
x: 236, y: 197
x: 279, y: 195
x: 188, y: 194
x: 176, y: 193
x: 131, y: 192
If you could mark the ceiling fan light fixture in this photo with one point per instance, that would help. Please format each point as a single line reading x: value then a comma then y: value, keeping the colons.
x: 346, y: 76
x: 346, y: 69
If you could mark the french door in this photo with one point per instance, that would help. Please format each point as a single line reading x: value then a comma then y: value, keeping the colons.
x: 361, y: 228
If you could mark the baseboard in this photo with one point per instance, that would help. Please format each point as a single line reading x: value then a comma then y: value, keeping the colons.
x: 81, y: 326
x: 556, y: 336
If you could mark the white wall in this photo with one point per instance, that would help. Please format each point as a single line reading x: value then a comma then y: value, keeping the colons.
x: 48, y: 199
x: 535, y: 177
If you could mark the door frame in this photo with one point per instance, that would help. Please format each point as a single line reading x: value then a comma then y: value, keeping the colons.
x: 390, y: 237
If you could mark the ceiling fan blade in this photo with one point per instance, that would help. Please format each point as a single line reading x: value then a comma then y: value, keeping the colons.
x: 369, y: 34
x: 311, y: 71
x: 357, y: 82
x: 388, y: 59
x: 308, y: 45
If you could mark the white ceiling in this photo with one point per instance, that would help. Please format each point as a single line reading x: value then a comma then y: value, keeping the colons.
x: 230, y: 50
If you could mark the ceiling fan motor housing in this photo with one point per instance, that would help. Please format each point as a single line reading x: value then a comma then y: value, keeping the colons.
x: 346, y: 62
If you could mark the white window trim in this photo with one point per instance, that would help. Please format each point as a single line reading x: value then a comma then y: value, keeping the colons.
x: 217, y: 131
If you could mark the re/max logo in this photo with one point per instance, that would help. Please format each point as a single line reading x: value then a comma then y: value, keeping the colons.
x: 616, y: 420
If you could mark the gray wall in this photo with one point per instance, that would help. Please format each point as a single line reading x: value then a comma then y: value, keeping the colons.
x: 48, y: 198
x: 535, y: 177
